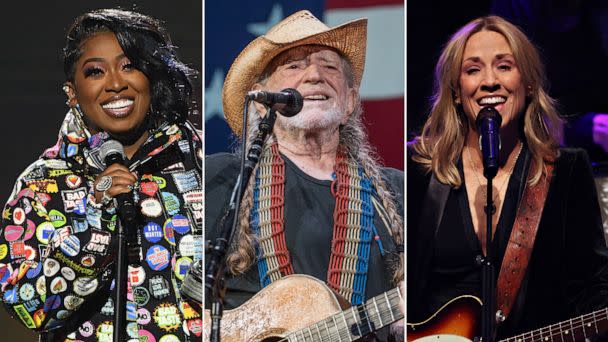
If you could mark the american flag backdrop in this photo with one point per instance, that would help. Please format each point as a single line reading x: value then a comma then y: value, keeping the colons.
x: 230, y: 26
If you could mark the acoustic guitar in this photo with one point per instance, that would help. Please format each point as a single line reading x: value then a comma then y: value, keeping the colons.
x: 302, y: 308
x: 457, y: 320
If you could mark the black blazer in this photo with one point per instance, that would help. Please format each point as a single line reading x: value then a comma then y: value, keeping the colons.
x: 568, y: 270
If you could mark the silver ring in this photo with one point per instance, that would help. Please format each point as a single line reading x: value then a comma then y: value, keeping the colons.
x: 106, y: 199
x: 104, y: 183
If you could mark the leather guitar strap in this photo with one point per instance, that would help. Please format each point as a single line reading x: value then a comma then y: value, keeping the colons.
x: 521, y: 242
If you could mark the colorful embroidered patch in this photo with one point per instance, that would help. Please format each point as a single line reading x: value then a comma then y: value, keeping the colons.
x: 146, y: 336
x: 18, y: 216
x: 24, y: 316
x: 167, y: 317
x: 86, y: 329
x: 52, y: 303
x: 137, y: 275
x: 141, y: 296
x: 168, y: 232
x: 143, y: 316
x: 186, y: 181
x: 132, y: 312
x: 159, y: 287
x: 87, y: 260
x: 180, y: 224
x: 5, y: 272
x: 50, y: 267
x: 73, y: 181
x: 45, y: 185
x: 58, y: 285
x: 153, y: 232
x: 57, y: 218
x: 68, y: 273
x: 34, y: 271
x: 169, y: 338
x: 151, y: 207
x: 157, y: 257
x: 182, y: 265
x: 44, y: 232
x: 32, y: 305
x: 72, y: 199
x: 30, y: 230
x: 85, y: 285
x: 188, y: 311
x: 17, y: 249
x: 27, y: 292
x: 79, y: 225
x: 148, y: 188
x: 186, y: 245
x: 72, y: 302
x: 104, y: 331
x: 70, y: 245
x: 171, y: 202
x: 99, y: 243
x: 195, y: 326
x: 13, y: 233
x: 108, y: 308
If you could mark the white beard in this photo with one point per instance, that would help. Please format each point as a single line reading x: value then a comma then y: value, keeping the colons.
x: 313, y: 119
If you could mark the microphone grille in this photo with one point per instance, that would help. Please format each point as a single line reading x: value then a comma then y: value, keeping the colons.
x: 296, y: 103
x: 111, y: 147
x: 488, y: 112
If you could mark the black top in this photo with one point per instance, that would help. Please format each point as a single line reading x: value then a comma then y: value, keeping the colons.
x: 309, y: 207
x: 455, y: 270
x: 567, y: 274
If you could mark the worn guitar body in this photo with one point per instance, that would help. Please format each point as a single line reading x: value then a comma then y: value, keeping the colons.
x: 302, y: 308
x: 457, y: 320
x: 289, y: 304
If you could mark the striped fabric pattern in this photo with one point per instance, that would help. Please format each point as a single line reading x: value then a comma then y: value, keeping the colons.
x: 352, y: 232
x: 267, y: 218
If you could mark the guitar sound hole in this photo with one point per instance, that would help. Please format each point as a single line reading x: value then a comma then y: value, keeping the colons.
x: 272, y: 339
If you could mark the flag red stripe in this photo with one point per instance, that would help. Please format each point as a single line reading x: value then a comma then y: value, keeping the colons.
x: 384, y: 122
x: 335, y: 4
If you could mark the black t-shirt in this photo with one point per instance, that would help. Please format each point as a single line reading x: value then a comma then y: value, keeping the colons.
x: 309, y: 207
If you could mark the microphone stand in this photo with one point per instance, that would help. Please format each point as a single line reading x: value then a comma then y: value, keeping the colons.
x: 214, y: 272
x: 488, y: 125
x: 488, y: 280
x: 126, y: 229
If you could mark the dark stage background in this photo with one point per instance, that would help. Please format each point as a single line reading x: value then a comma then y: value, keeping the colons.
x: 572, y: 36
x: 31, y: 69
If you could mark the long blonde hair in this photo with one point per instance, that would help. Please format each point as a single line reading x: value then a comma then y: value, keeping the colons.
x: 440, y: 144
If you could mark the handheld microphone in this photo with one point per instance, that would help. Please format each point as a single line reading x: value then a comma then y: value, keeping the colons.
x: 112, y: 152
x: 288, y: 101
x: 488, y: 126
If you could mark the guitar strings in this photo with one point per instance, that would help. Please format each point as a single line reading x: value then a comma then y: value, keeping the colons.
x: 364, y: 326
x: 558, y: 328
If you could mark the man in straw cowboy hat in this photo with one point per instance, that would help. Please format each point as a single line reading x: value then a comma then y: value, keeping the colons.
x: 318, y: 202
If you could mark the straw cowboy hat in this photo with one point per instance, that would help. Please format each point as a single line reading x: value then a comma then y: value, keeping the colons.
x: 300, y: 28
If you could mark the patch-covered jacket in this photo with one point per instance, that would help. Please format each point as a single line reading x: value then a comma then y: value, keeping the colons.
x: 57, y: 245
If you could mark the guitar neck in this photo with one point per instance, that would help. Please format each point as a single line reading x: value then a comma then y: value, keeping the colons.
x: 356, y: 322
x: 575, y: 329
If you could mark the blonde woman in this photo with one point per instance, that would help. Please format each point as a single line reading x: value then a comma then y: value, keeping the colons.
x: 491, y: 63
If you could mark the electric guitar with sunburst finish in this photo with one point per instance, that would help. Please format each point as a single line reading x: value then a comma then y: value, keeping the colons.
x: 458, y: 321
x: 302, y: 308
